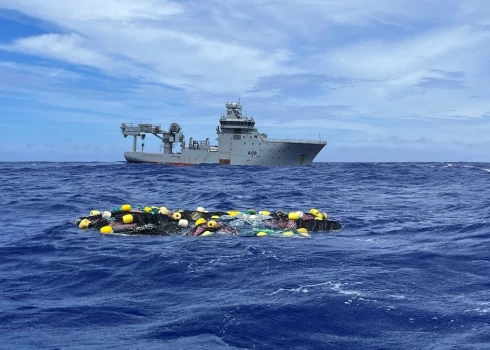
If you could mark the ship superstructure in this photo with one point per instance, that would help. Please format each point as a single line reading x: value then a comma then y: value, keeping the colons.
x: 239, y: 143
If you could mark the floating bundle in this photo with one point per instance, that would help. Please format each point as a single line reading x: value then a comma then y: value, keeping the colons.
x: 200, y: 222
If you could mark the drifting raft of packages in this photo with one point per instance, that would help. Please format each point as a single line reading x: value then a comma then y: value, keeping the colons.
x: 145, y: 220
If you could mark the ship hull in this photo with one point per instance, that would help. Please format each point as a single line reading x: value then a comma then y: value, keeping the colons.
x: 268, y: 154
x: 188, y: 158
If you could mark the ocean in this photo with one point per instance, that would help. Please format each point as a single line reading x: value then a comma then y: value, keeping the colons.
x: 409, y: 270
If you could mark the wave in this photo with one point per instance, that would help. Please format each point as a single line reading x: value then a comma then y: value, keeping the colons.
x: 409, y: 269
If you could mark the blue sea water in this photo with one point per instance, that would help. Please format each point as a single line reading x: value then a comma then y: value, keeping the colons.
x: 409, y: 270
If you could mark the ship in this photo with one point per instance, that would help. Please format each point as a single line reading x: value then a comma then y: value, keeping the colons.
x: 239, y: 143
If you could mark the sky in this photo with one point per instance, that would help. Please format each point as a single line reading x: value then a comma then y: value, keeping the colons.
x: 384, y: 80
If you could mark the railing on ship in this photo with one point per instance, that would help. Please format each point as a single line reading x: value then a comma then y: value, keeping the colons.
x: 296, y: 141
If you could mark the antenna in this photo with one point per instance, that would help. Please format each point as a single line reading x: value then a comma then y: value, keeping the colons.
x: 319, y: 136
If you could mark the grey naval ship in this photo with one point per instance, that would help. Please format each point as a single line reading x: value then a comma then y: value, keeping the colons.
x: 239, y: 143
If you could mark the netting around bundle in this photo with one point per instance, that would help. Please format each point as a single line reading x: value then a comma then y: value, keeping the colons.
x: 163, y: 222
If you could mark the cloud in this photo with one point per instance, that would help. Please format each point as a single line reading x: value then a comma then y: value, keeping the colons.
x: 444, y: 80
x: 293, y: 84
x: 355, y: 70
x: 117, y: 39
x: 435, y: 83
x: 375, y: 59
x: 71, y: 48
x: 93, y: 10
x: 34, y: 70
x: 303, y: 85
x: 449, y: 75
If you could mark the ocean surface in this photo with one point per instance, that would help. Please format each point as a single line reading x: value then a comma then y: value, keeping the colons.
x: 409, y: 270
